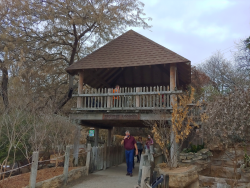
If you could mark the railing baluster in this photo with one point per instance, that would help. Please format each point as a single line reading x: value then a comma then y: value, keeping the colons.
x: 98, y: 99
x: 161, y: 97
x: 143, y: 97
x: 102, y: 98
x: 134, y: 101
x: 126, y: 101
x: 105, y: 98
x: 120, y: 100
x: 150, y: 98
x: 164, y: 97
x: 157, y: 97
x: 88, y: 98
x: 85, y: 98
x: 147, y: 96
x: 154, y: 98
x: 168, y: 97
x: 123, y: 98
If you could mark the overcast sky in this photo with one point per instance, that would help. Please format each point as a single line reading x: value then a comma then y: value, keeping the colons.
x: 196, y: 29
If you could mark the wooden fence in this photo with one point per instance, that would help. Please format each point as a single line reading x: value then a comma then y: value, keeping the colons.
x: 105, y: 157
x: 140, y: 98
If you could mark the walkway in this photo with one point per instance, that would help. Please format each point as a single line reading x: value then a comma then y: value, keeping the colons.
x: 114, y: 177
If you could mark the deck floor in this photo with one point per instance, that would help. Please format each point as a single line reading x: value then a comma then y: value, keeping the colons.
x: 114, y: 177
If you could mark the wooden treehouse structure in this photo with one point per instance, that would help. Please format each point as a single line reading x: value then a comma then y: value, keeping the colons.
x: 148, y: 75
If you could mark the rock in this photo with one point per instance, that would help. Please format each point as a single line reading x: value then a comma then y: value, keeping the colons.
x: 190, y: 157
x: 197, y: 158
x: 183, y: 157
x: 186, y: 177
x: 209, y: 154
x: 203, y: 151
x: 183, y: 154
x: 186, y: 161
x: 198, y: 154
x: 51, y: 165
x: 204, y: 156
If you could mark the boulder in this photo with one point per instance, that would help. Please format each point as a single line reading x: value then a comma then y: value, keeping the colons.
x: 183, y: 177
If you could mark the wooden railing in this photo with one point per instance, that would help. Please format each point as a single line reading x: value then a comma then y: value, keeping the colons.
x: 139, y: 98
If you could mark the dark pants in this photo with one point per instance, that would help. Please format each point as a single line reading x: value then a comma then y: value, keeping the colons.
x: 129, y: 160
x: 139, y: 155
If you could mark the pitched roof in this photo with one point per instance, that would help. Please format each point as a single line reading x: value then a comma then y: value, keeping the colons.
x: 128, y: 50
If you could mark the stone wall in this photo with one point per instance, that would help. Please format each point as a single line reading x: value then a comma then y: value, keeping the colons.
x: 190, y: 157
x: 224, y: 169
x: 58, y: 181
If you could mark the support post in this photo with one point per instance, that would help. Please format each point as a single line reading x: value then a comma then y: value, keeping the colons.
x: 173, y: 150
x: 96, y: 136
x: 80, y: 88
x: 88, y: 158
x: 34, y: 166
x: 137, y: 98
x: 145, y: 174
x: 76, y: 144
x: 109, y: 146
x: 66, y: 164
x: 109, y: 99
x: 105, y: 157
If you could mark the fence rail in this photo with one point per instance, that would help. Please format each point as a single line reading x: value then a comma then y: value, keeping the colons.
x: 140, y: 98
x: 105, y: 157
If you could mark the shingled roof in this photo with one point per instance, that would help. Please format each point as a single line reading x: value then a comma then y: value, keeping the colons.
x: 125, y: 52
x: 129, y: 49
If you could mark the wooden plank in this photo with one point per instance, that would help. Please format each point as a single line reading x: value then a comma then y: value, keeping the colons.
x: 150, y: 98
x: 157, y: 96
x: 105, y: 157
x: 154, y: 92
x: 80, y: 89
x: 160, y: 96
x: 154, y: 89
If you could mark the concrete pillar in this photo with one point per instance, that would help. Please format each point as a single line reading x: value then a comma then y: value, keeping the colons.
x: 76, y: 144
x: 66, y: 164
x: 34, y: 167
x: 145, y: 174
x: 109, y: 137
x: 80, y: 88
x: 96, y: 136
x: 88, y: 158
x: 173, y: 150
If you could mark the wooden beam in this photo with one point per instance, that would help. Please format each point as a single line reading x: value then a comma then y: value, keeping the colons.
x: 115, y: 76
x: 96, y: 77
x: 80, y: 88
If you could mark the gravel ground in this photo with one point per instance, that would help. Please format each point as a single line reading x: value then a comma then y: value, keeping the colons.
x: 114, y: 177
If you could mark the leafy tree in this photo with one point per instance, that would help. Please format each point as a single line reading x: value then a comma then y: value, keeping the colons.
x: 180, y: 126
x: 57, y: 33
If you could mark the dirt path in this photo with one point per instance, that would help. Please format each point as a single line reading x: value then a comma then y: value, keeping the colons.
x: 114, y: 177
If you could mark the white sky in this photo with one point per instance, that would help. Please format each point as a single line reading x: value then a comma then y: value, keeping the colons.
x: 196, y: 29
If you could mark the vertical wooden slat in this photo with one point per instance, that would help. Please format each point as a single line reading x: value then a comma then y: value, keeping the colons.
x: 89, y: 98
x: 85, y: 99
x: 154, y: 97
x: 122, y: 97
x: 157, y: 97
x: 147, y: 97
x: 150, y: 98
x: 134, y: 98
x: 164, y: 97
x: 105, y: 99
x: 102, y: 99
x: 140, y: 97
x: 160, y: 97
x: 143, y: 97
x: 168, y: 97
x: 126, y: 102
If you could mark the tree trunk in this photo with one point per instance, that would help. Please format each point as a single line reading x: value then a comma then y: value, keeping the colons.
x: 4, y: 87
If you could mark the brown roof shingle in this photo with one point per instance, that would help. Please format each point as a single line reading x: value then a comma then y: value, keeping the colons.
x: 128, y: 50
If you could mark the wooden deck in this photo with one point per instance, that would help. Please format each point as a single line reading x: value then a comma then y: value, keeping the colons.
x: 127, y: 99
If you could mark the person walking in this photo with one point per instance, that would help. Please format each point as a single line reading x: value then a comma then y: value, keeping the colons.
x: 140, y: 148
x: 116, y: 98
x: 129, y: 145
x: 149, y: 142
